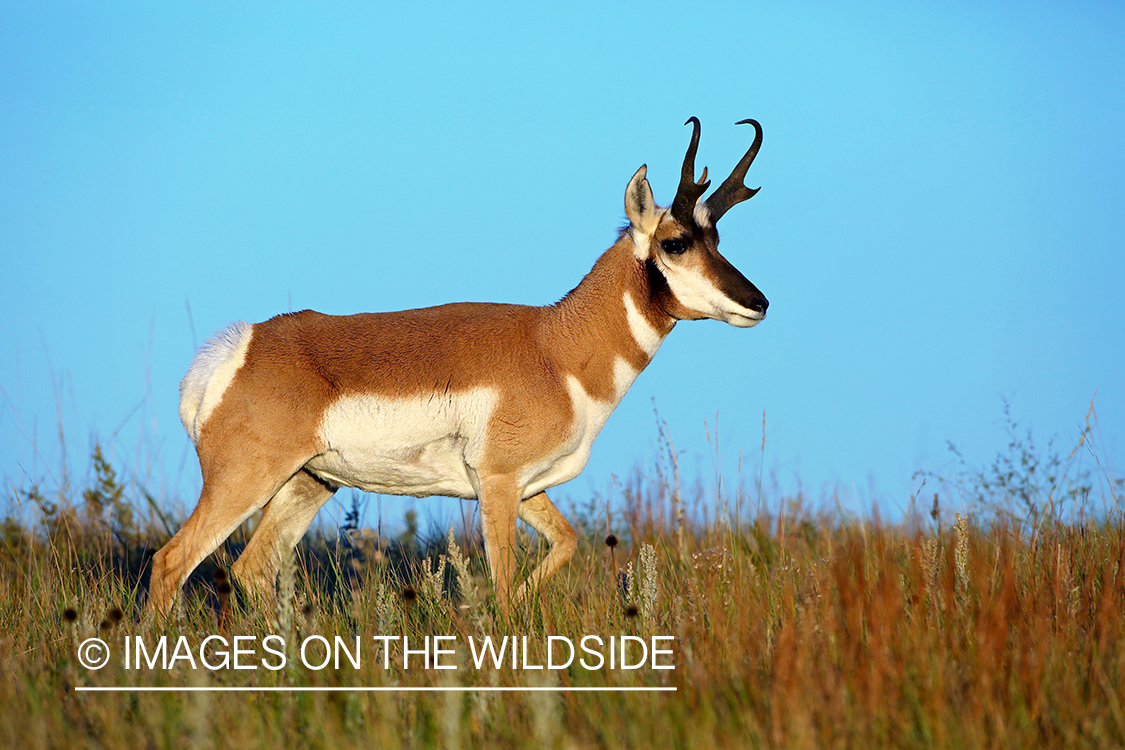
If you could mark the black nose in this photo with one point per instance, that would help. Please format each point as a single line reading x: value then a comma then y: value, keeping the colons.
x: 759, y: 305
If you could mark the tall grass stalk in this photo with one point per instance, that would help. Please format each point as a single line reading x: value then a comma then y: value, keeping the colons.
x: 795, y: 627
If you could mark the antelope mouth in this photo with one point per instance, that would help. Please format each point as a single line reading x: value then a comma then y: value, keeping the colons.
x: 749, y: 320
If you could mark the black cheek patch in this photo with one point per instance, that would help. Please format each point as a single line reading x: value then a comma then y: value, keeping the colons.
x: 658, y: 288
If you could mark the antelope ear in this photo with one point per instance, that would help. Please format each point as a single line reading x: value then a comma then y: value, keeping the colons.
x: 639, y: 206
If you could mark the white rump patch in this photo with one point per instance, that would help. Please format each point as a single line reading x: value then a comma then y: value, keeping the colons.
x: 418, y: 445
x: 210, y: 373
x: 647, y: 337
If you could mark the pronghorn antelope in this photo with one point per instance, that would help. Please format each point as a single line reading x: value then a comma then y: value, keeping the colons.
x: 488, y: 401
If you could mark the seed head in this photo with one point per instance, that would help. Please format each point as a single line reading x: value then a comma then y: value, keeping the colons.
x: 409, y: 595
x: 961, y: 553
x: 70, y: 614
x: 631, y: 611
x: 611, y: 541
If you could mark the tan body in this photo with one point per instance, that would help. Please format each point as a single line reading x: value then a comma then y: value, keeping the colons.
x: 486, y: 401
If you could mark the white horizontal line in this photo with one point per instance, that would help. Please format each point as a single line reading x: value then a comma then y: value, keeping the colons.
x: 361, y: 689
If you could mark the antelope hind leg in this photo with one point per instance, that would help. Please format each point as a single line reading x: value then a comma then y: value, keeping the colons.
x: 228, y: 499
x: 285, y: 520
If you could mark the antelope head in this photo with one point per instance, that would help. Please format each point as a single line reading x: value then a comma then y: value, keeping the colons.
x: 679, y: 246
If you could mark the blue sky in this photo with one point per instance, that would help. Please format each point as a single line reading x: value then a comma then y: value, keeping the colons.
x: 940, y: 224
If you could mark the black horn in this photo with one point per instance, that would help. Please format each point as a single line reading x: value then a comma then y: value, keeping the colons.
x: 733, y: 190
x: 690, y: 190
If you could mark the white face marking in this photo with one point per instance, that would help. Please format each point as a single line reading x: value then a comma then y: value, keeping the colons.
x: 418, y: 445
x: 697, y: 292
x: 211, y: 371
x: 647, y: 337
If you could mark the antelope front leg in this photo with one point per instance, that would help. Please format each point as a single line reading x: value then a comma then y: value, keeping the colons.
x: 499, y: 504
x: 544, y: 517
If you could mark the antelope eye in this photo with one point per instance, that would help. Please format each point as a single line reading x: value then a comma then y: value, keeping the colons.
x: 673, y: 246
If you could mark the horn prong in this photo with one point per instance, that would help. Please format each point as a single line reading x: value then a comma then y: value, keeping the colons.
x: 733, y: 190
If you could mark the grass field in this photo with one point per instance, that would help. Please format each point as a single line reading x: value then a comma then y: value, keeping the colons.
x: 792, y: 628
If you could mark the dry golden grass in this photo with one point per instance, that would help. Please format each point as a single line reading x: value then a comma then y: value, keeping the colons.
x: 792, y: 630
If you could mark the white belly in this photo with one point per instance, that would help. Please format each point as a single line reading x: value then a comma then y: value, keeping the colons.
x: 427, y: 445
x: 416, y: 446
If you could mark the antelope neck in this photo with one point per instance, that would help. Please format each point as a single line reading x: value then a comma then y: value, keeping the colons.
x: 611, y: 315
